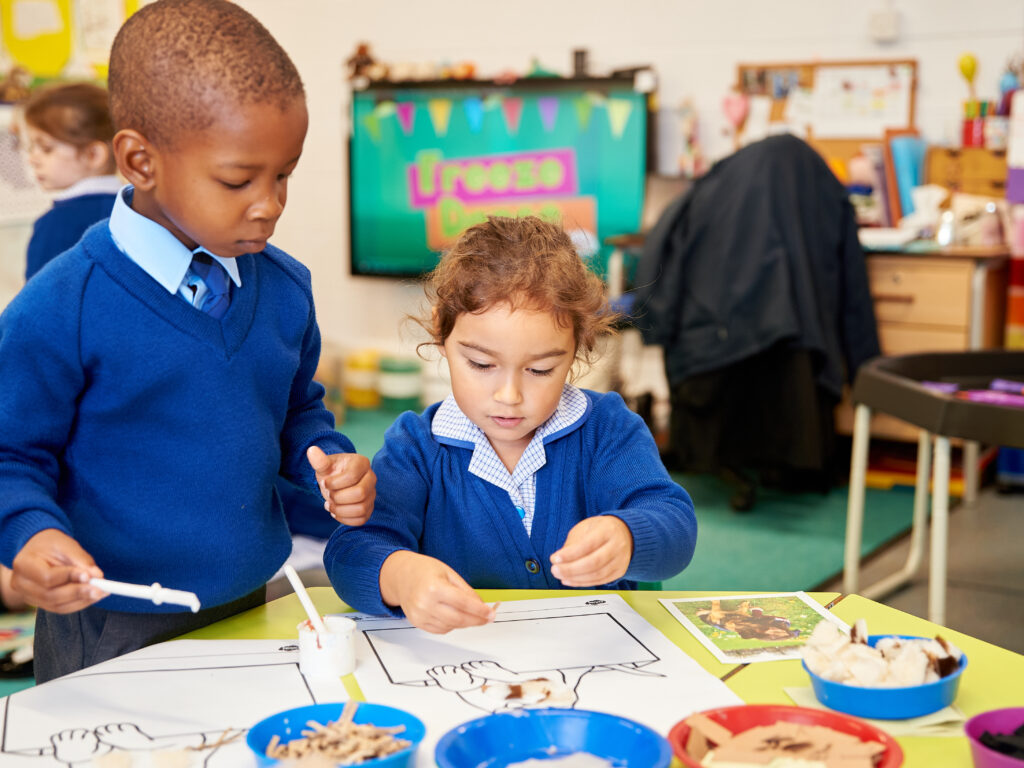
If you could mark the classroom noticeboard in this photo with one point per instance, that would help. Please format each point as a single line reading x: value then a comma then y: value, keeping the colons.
x: 837, y: 106
x: 429, y: 161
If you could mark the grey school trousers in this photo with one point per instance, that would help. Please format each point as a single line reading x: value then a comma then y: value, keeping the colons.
x: 67, y: 642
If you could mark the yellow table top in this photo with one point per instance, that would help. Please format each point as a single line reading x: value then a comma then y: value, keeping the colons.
x: 994, y: 677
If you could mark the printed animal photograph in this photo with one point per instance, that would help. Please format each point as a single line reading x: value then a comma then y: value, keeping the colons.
x: 751, y: 627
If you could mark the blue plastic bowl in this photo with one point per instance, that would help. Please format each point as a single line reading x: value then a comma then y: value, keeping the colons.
x: 888, y: 703
x: 288, y: 725
x: 497, y: 740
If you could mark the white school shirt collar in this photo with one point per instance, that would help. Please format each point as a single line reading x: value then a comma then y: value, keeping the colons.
x: 91, y: 185
x: 153, y: 247
x: 450, y: 424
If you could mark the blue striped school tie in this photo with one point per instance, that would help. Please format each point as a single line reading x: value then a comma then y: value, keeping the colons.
x: 218, y: 288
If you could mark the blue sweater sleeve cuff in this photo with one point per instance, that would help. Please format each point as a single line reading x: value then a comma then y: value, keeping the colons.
x: 359, y: 584
x: 644, y: 565
x: 18, y: 529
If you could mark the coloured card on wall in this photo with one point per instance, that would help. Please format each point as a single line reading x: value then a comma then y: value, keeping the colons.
x: 428, y: 162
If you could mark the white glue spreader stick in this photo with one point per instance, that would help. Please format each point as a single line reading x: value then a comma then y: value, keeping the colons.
x: 153, y: 592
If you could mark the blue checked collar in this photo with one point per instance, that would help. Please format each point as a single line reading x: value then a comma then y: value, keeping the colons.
x: 451, y: 425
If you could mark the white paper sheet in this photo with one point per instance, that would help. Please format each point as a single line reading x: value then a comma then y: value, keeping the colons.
x: 170, y: 696
x: 590, y: 652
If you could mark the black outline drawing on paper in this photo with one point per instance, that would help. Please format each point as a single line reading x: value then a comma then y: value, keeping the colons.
x: 491, y: 687
x: 84, y: 742
x: 77, y: 746
x: 495, y: 686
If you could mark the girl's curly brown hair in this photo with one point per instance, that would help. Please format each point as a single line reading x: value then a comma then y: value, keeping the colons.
x: 526, y: 263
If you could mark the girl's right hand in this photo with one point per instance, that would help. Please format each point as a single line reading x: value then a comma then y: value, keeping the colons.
x: 433, y: 596
x: 52, y: 572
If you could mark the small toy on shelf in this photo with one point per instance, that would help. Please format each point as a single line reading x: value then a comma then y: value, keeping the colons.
x: 735, y: 105
x: 16, y: 86
x: 968, y: 68
x: 360, y: 61
x: 538, y: 70
x: 692, y: 162
x: 463, y: 70
x: 506, y: 77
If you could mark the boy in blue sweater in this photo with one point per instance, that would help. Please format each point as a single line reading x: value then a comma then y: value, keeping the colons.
x: 157, y: 378
x: 518, y: 479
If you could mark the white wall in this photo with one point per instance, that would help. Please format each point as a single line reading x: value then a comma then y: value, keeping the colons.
x: 694, y: 47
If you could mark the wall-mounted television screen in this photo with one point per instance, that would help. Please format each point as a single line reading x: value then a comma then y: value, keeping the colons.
x: 428, y: 160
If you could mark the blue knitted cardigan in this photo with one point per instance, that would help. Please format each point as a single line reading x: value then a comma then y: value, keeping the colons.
x: 153, y: 433
x: 427, y: 501
x: 61, y: 227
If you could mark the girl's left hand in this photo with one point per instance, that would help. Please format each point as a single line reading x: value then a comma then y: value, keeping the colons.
x: 347, y: 484
x: 596, y: 551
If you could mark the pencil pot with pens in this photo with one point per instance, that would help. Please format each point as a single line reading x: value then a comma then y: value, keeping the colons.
x: 973, y: 134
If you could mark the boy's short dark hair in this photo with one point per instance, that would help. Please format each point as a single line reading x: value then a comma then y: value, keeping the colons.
x: 172, y: 60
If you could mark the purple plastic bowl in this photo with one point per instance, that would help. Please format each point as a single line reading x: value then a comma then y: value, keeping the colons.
x: 996, y: 721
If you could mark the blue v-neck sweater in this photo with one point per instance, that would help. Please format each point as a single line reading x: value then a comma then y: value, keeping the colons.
x: 428, y: 502
x: 153, y: 433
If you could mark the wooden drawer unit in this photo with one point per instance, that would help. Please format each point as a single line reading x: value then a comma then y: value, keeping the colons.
x: 897, y: 339
x: 975, y: 170
x: 920, y: 291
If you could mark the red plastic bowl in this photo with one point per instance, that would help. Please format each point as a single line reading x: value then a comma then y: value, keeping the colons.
x: 738, y: 719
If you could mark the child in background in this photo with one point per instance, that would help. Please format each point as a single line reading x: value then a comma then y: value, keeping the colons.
x: 518, y: 479
x: 157, y: 379
x: 68, y: 131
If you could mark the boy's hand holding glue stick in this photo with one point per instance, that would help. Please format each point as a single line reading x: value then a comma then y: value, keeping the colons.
x: 52, y: 571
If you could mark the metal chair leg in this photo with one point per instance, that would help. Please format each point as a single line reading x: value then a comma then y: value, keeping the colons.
x: 855, y: 502
x: 972, y: 450
x: 918, y: 530
x: 940, y: 531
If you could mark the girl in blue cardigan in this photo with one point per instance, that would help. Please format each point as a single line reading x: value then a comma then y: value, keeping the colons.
x: 69, y: 132
x: 518, y: 479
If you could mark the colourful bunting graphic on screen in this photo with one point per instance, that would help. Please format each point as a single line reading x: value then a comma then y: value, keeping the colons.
x: 384, y: 109
x: 474, y: 109
x: 618, y: 115
x: 548, y: 108
x: 440, y: 110
x: 513, y: 110
x: 372, y: 123
x: 583, y: 109
x: 406, y: 114
x: 492, y: 101
x: 596, y: 98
